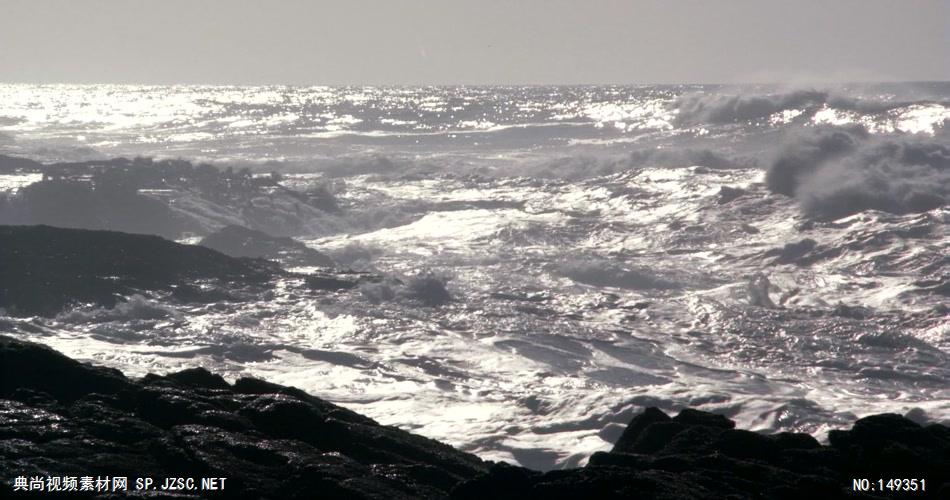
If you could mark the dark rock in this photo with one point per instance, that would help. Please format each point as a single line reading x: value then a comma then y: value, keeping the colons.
x: 73, y: 204
x: 690, y: 416
x: 853, y: 312
x: 38, y: 368
x: 425, y: 288
x: 501, y: 481
x: 58, y: 416
x: 746, y: 444
x: 11, y: 164
x: 322, y: 197
x: 728, y: 194
x: 792, y: 252
x: 890, y: 445
x: 428, y: 289
x: 793, y: 441
x: 238, y: 241
x: 700, y: 455
x: 199, y: 377
x: 329, y: 282
x: 749, y: 228
x: 636, y: 427
x: 654, y: 432
x: 45, y: 269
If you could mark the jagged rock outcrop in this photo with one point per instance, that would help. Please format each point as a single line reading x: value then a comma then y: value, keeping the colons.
x: 61, y: 417
x: 239, y: 241
x: 45, y: 269
x: 701, y: 455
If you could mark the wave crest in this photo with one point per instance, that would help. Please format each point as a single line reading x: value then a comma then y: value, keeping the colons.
x: 722, y: 108
x: 838, y: 171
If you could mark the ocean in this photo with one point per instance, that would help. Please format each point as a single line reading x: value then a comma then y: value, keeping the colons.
x: 550, y: 259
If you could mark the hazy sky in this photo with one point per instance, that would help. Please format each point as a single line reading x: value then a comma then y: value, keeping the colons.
x: 472, y: 41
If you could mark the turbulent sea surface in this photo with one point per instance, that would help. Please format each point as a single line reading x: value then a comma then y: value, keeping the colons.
x: 777, y: 255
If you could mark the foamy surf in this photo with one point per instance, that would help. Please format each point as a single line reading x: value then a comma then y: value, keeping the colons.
x: 584, y: 249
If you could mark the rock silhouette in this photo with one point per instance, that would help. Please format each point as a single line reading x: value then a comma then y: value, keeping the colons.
x: 59, y: 416
x: 239, y: 241
x: 45, y: 269
x: 701, y: 455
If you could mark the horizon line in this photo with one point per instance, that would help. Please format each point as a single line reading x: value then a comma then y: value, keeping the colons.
x: 587, y: 84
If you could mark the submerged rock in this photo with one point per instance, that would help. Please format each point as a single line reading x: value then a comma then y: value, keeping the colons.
x: 45, y: 269
x: 728, y: 193
x: 424, y: 289
x: 792, y: 252
x: 428, y: 289
x: 329, y: 282
x: 238, y: 241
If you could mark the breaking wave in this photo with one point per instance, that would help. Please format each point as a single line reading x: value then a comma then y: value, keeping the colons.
x: 696, y: 109
x: 839, y: 171
x: 591, y: 267
x: 724, y: 108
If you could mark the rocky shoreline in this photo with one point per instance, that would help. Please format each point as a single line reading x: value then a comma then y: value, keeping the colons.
x: 59, y: 417
x: 62, y: 418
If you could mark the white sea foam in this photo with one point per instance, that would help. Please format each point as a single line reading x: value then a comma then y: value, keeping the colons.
x: 538, y: 279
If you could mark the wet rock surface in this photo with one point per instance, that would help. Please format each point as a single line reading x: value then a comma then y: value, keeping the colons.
x: 45, y: 269
x: 61, y: 417
x: 701, y: 455
x: 65, y: 203
x: 239, y: 241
